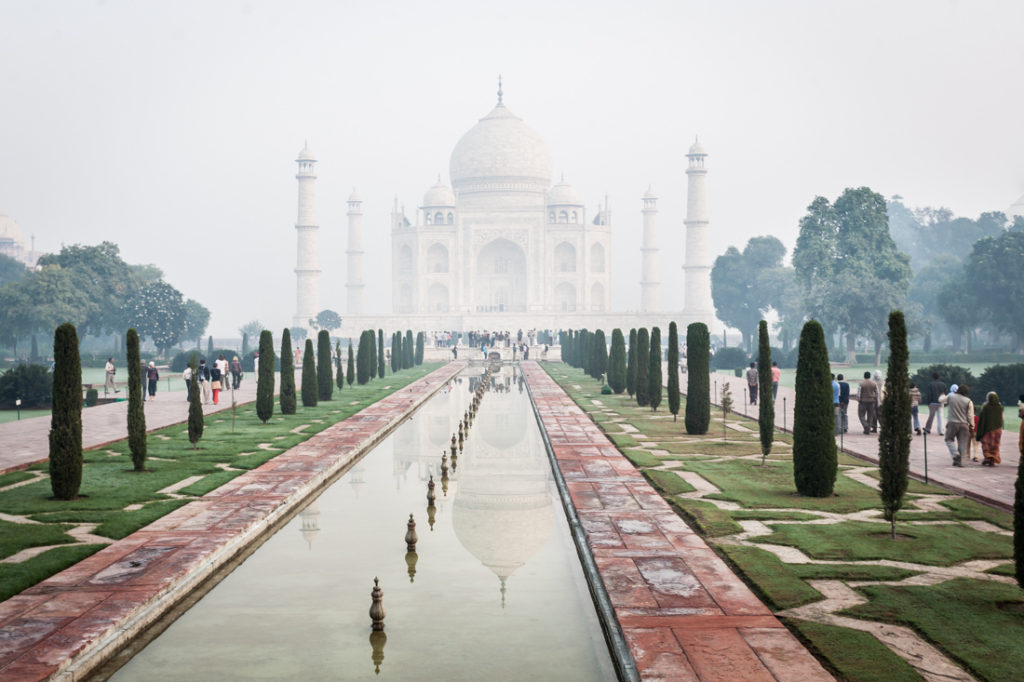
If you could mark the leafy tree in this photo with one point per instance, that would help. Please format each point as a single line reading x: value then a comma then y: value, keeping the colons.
x: 643, y: 351
x: 631, y: 364
x: 41, y: 301
x: 11, y: 270
x: 340, y: 378
x: 673, y: 370
x: 102, y: 278
x: 739, y: 288
x: 32, y: 383
x: 298, y: 334
x: 265, y: 377
x: 350, y: 375
x: 197, y: 318
x: 196, y: 420
x: 381, y: 355
x: 309, y: 376
x: 418, y: 359
x: 326, y: 319
x: 252, y: 329
x: 136, y: 408
x: 787, y: 302
x: 960, y: 306
x: 66, y: 417
x: 766, y: 404
x: 814, y: 444
x: 848, y: 266
x: 157, y: 311
x: 698, y: 379
x: 363, y: 360
x: 286, y: 395
x: 617, y: 363
x: 894, y: 424
x: 654, y: 370
x: 994, y: 270
x: 325, y: 383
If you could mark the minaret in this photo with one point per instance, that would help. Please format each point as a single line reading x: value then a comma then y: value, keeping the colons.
x: 354, y: 284
x: 307, y: 264
x: 649, y: 255
x: 697, y: 268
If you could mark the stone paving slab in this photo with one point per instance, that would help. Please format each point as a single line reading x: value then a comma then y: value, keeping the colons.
x: 685, y: 615
x: 62, y: 627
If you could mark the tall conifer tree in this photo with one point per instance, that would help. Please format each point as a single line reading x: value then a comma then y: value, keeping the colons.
x: 286, y: 395
x: 698, y: 379
x: 673, y: 370
x: 66, y: 415
x: 196, y: 420
x: 309, y: 378
x: 339, y: 379
x: 381, y: 355
x: 617, y: 362
x: 643, y: 351
x: 894, y: 425
x: 136, y: 407
x: 814, y: 443
x: 766, y: 404
x: 631, y: 364
x: 654, y: 370
x: 265, y: 377
x: 350, y: 375
x: 324, y: 380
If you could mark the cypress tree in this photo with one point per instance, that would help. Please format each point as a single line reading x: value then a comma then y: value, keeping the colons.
x: 766, y: 404
x: 66, y: 417
x: 195, y: 405
x: 287, y: 393
x: 894, y: 425
x: 245, y: 346
x: 409, y: 354
x: 209, y: 347
x: 600, y: 354
x: 814, y: 443
x: 617, y: 362
x: 643, y: 351
x: 371, y: 353
x: 363, y: 360
x: 339, y: 380
x: 631, y: 365
x: 698, y: 379
x: 381, y: 357
x: 1018, y: 523
x: 265, y: 377
x: 350, y: 374
x: 136, y: 408
x: 673, y: 369
x: 654, y: 370
x: 396, y: 352
x: 310, y: 388
x: 419, y: 348
x: 324, y: 380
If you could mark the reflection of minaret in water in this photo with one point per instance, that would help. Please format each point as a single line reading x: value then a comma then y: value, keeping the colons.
x: 355, y: 478
x: 310, y: 522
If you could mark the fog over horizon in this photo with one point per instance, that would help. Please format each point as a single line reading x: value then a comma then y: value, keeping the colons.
x: 172, y: 129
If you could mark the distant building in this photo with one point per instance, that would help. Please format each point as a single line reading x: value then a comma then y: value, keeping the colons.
x: 13, y: 244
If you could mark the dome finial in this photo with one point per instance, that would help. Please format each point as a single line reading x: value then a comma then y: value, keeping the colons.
x: 499, y: 88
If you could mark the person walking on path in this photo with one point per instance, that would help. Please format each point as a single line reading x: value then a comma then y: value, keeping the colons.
x: 752, y: 382
x: 879, y: 399
x: 108, y: 386
x: 204, y: 379
x: 844, y: 404
x: 152, y: 377
x: 187, y: 376
x: 867, y: 403
x: 215, y: 378
x: 836, y: 413
x: 143, y: 370
x: 959, y: 424
x: 776, y: 377
x: 236, y: 373
x: 990, y: 429
x: 915, y: 400
x: 936, y: 389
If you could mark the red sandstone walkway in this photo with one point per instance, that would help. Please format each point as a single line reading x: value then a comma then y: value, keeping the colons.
x: 63, y: 626
x: 685, y: 615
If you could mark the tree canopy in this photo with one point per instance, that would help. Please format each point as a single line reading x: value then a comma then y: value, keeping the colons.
x: 741, y: 286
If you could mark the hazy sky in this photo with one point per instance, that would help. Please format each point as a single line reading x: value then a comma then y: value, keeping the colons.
x: 171, y: 128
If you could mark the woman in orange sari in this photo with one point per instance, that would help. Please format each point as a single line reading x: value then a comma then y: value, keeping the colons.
x: 990, y: 429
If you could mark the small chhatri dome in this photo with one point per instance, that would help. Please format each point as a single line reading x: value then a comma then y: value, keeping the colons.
x: 649, y: 194
x: 439, y: 195
x: 697, y: 148
x: 10, y: 232
x: 354, y: 197
x: 563, y: 194
x: 306, y: 154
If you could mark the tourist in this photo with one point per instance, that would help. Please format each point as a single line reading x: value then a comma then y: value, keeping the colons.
x: 844, y: 404
x: 990, y: 429
x: 836, y: 414
x: 215, y: 377
x: 776, y: 376
x: 204, y: 379
x: 455, y: 353
x: 881, y: 396
x: 108, y: 386
x: 236, y: 373
x: 142, y: 378
x: 959, y: 423
x: 752, y: 383
x: 867, y: 404
x: 222, y: 364
x: 187, y: 376
x: 153, y: 377
x: 915, y: 400
x: 936, y: 389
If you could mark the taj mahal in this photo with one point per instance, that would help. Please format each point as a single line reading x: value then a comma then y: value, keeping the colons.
x: 504, y: 247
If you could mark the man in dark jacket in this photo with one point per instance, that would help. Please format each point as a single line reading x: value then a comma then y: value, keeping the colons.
x: 936, y: 389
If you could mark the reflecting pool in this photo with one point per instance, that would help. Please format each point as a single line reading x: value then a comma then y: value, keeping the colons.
x: 493, y: 591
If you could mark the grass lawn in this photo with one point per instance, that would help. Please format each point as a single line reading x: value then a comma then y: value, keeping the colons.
x: 109, y: 484
x: 853, y: 654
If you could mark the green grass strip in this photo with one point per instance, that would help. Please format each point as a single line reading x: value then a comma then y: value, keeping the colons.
x: 668, y: 482
x: 778, y: 585
x: 849, y: 572
x: 127, y: 522
x: 17, y: 577
x: 15, y: 537
x: 855, y: 655
x: 706, y: 518
x: 641, y: 458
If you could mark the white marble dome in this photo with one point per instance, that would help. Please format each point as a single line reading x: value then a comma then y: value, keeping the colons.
x: 439, y: 195
x: 500, y: 150
x: 563, y: 194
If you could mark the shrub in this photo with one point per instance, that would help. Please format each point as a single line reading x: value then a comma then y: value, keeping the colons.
x: 92, y: 396
x: 673, y: 370
x: 730, y: 357
x: 948, y: 374
x: 617, y: 362
x: 894, y: 424
x: 698, y: 379
x: 814, y: 443
x: 32, y: 383
x: 1006, y: 380
x: 265, y: 378
x: 66, y: 417
x: 136, y: 408
x: 654, y: 370
x: 195, y: 405
x: 631, y: 364
x: 324, y: 380
x: 643, y: 350
x: 309, y: 377
x: 286, y: 395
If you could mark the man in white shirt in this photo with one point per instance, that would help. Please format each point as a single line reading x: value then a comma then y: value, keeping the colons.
x: 109, y: 387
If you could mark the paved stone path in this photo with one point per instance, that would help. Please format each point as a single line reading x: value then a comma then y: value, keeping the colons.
x: 62, y: 627
x: 26, y: 441
x: 992, y: 485
x: 685, y: 615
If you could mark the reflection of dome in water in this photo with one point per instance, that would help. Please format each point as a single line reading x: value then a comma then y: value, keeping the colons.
x: 501, y: 429
x: 310, y: 522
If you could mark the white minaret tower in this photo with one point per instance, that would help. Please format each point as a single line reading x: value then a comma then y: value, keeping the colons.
x: 354, y: 284
x: 697, y: 306
x: 307, y: 264
x: 649, y: 255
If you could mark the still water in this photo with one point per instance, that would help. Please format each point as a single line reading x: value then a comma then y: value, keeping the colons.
x: 494, y: 590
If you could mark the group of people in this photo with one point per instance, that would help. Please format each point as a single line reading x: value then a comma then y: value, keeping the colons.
x: 149, y: 377
x: 212, y: 380
x: 753, y: 381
